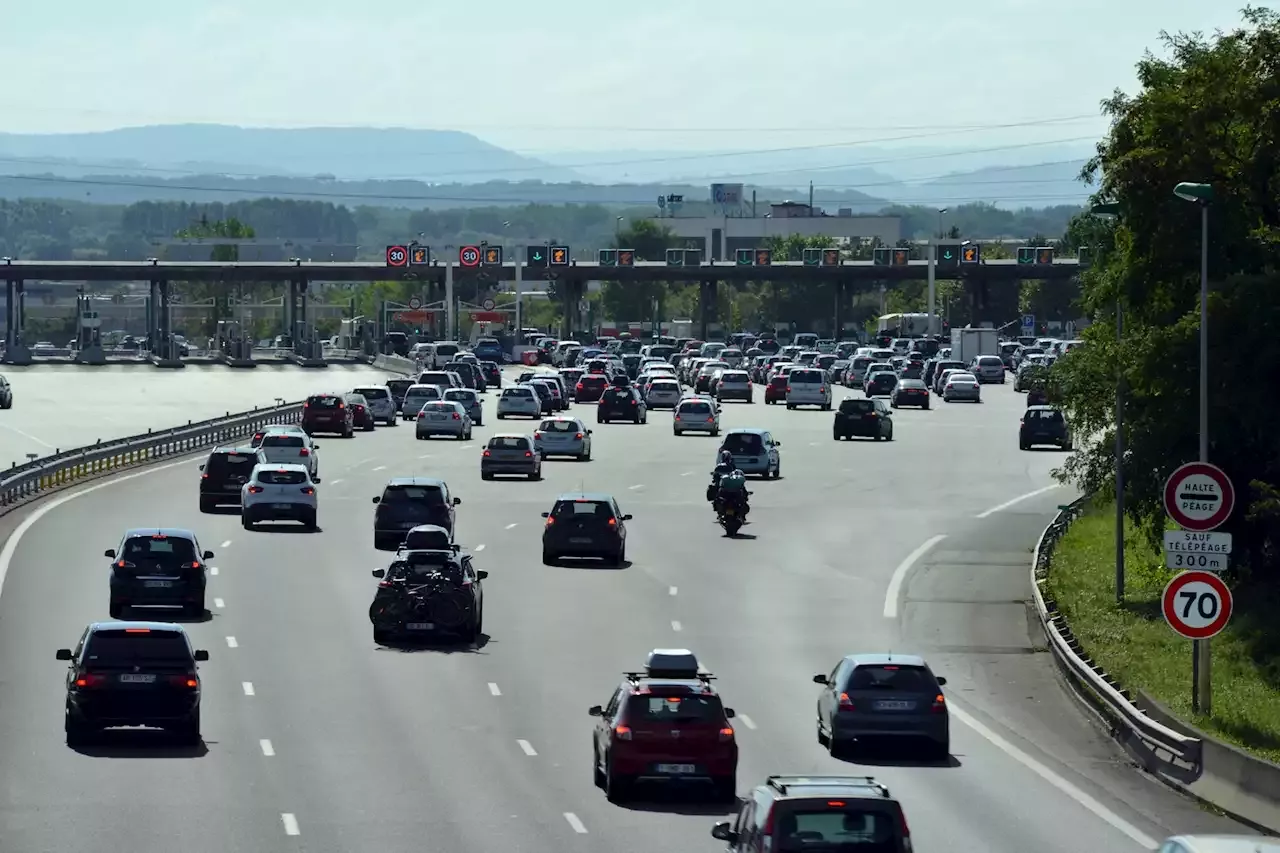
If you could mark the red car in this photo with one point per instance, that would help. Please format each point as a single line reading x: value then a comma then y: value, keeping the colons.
x: 776, y: 389
x: 590, y: 387
x: 327, y: 413
x: 666, y: 725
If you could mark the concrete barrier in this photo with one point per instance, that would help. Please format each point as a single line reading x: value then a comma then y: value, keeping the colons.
x: 397, y: 364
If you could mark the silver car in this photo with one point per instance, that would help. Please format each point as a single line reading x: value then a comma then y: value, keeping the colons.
x: 988, y: 368
x: 380, y: 402
x: 563, y: 437
x: 696, y: 414
x: 520, y: 401
x: 444, y: 417
x: 470, y: 400
x: 511, y: 453
x: 734, y: 385
x: 663, y: 394
x: 418, y: 396
x: 961, y: 386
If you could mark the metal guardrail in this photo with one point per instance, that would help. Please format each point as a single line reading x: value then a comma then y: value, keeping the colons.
x: 1089, y: 675
x: 24, y: 482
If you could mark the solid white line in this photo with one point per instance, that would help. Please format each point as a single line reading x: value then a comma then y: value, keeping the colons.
x: 226, y: 544
x: 1098, y: 809
x: 675, y: 626
x: 636, y: 486
x: 687, y: 474
x: 267, y: 749
x: 290, y: 824
x: 247, y: 687
x: 746, y: 721
x: 1018, y: 499
x: 233, y: 643
x: 671, y: 590
x: 425, y: 456
x: 380, y: 468
x: 900, y: 574
x: 527, y: 747
x: 478, y: 548
x: 493, y: 689
x: 213, y: 570
x: 511, y: 525
x: 576, y: 822
x: 219, y: 603
x: 28, y: 436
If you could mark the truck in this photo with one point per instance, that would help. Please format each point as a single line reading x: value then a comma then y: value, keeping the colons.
x: 903, y: 325
x: 968, y: 344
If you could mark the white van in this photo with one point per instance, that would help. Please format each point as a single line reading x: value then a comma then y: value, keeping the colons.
x: 807, y: 386
x: 440, y: 354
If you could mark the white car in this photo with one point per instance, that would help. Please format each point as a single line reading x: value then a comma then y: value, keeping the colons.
x: 663, y: 394
x: 380, y: 402
x: 807, y: 386
x: 279, y: 492
x: 443, y: 417
x: 520, y: 401
x: 284, y: 446
x: 696, y: 414
x: 418, y: 396
x: 563, y: 437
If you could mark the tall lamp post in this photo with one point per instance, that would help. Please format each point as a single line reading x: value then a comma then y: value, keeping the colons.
x: 1202, y: 194
x: 1112, y: 209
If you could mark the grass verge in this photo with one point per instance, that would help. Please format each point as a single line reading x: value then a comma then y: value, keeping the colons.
x: 1133, y: 643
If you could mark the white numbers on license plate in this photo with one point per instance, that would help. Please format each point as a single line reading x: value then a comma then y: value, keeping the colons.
x: 892, y: 705
x: 157, y: 584
x: 676, y: 768
x: 580, y: 540
x: 282, y: 506
x: 420, y: 626
x: 137, y: 679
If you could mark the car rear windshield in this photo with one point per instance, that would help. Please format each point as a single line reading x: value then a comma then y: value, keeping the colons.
x: 1045, y: 416
x: 742, y: 442
x: 779, y: 381
x: 324, y: 402
x: 423, y: 391
x: 446, y: 349
x: 137, y: 646
x: 559, y: 426
x: 413, y: 494
x: 812, y: 376
x: 508, y: 442
x: 600, y: 509
x: 857, y: 407
x: 517, y: 392
x: 165, y: 550
x: 990, y: 361
x: 905, y: 679
x: 279, y: 440
x: 665, y: 385
x: 695, y: 409
x: 446, y: 406
x: 621, y: 394
x: 845, y: 827
x: 593, y: 380
x: 399, y: 386
x: 687, y: 708
x: 356, y: 400
x: 437, y: 378
x: 220, y: 462
x: 374, y: 393
x: 458, y: 395
x: 733, y: 376
x: 282, y: 478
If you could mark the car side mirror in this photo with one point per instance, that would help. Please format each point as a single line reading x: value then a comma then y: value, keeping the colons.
x: 942, y: 679
x: 482, y: 574
x: 376, y: 500
x: 110, y: 553
x: 777, y: 444
x: 724, y: 832
x: 457, y: 501
x: 202, y: 467
x: 594, y: 710
x: 627, y: 517
x: 820, y: 679
x: 201, y: 656
x: 379, y: 573
x: 546, y: 515
x: 729, y: 713
x: 207, y: 555
x: 64, y: 654
x: 588, y: 432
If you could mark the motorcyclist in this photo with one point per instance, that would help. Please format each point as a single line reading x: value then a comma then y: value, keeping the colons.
x: 724, y: 465
x: 732, y: 491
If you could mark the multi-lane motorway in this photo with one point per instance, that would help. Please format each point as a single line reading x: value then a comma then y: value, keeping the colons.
x: 318, y: 740
x: 62, y: 406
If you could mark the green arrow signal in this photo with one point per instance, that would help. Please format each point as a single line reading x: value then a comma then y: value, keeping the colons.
x: 537, y: 256
x: 946, y: 256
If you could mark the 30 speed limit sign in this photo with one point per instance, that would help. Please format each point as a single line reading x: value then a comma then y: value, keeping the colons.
x: 1197, y: 605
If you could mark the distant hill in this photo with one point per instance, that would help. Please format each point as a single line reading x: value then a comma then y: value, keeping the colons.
x: 350, y: 153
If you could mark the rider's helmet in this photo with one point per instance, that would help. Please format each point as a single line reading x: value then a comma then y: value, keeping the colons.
x: 726, y: 458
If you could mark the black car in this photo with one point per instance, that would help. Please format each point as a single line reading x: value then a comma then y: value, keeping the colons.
x: 158, y: 567
x: 910, y: 392
x: 361, y: 414
x: 132, y: 674
x: 469, y: 373
x: 398, y: 386
x: 621, y: 404
x: 428, y: 592
x: 492, y: 373
x: 882, y: 697
x: 880, y: 384
x: 863, y: 418
x: 1044, y: 425
x: 407, y: 502
x: 827, y: 811
x: 223, y: 473
x: 585, y: 525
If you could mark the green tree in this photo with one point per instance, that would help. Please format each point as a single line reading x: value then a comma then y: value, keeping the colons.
x: 649, y: 239
x: 229, y: 229
x: 1209, y: 113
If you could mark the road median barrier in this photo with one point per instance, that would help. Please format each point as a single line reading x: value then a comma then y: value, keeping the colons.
x: 1246, y: 787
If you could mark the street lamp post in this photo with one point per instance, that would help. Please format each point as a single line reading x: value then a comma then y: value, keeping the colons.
x: 1201, y: 194
x: 1113, y: 209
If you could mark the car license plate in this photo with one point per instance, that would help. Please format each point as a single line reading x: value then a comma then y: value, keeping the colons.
x: 677, y: 769
x: 728, y: 511
x: 420, y: 626
x: 157, y: 584
x: 894, y: 705
x: 282, y: 506
x: 437, y: 417
x: 580, y: 540
x: 136, y: 678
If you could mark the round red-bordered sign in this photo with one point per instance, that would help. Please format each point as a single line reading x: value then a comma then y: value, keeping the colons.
x: 1199, y: 496
x: 1197, y: 605
x: 469, y: 256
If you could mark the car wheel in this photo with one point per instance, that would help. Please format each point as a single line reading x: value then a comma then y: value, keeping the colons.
x: 942, y: 749
x: 536, y: 475
x: 78, y: 732
x: 725, y: 790
x: 381, y: 637
x: 188, y: 731
x: 207, y: 505
x: 310, y: 522
x: 889, y: 437
x: 822, y: 736
x: 246, y: 522
x: 548, y: 558
x: 835, y: 436
x: 790, y: 407
x: 597, y: 774
x: 615, y: 786
x: 501, y: 416
x: 194, y: 611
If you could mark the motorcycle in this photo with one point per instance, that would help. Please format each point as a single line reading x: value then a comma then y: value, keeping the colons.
x: 731, y: 516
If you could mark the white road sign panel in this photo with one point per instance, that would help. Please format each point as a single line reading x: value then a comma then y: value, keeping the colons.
x: 1191, y: 542
x: 1199, y: 496
x: 1197, y: 605
x: 1197, y: 562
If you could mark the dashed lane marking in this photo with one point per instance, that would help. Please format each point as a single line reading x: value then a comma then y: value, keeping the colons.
x: 380, y: 468
x: 687, y: 474
x: 576, y: 822
x: 671, y: 590
x: 335, y: 482
x: 226, y: 544
x: 233, y: 643
x: 478, y: 548
x: 493, y: 689
x: 267, y: 749
x: 219, y: 603
x: 636, y: 486
x: 675, y: 626
x: 511, y: 525
x: 290, y: 822
x: 213, y: 570
x: 746, y: 721
x: 425, y: 456
x: 527, y: 747
x: 247, y: 687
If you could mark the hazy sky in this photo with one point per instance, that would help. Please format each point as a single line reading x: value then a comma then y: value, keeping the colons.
x: 568, y: 74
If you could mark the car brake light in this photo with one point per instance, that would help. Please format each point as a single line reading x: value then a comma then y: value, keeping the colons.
x: 184, y: 681
x: 486, y: 453
x: 528, y: 454
x: 846, y: 704
x: 726, y: 733
x: 906, y: 830
x: 578, y: 436
x: 579, y: 387
x: 537, y: 435
x: 307, y: 490
x: 255, y: 490
x: 788, y: 389
x: 622, y: 732
x: 304, y: 452
x: 90, y: 680
x: 204, y: 476
x: 342, y: 405
x: 835, y: 804
x: 550, y: 520
x: 822, y: 389
x: 939, y: 704
x: 123, y: 564
x: 306, y: 405
x: 457, y: 417
x: 421, y: 414
x: 613, y: 522
x: 633, y: 402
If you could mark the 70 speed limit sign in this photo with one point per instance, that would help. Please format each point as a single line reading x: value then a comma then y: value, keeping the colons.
x: 1197, y: 605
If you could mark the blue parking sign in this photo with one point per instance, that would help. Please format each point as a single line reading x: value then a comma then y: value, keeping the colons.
x: 1028, y: 322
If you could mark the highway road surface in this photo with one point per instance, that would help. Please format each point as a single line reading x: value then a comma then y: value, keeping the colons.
x: 63, y: 406
x: 317, y: 740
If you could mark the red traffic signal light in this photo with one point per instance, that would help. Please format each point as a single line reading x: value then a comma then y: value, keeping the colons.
x: 626, y: 258
x: 901, y: 257
x: 1044, y: 255
x: 764, y: 257
x: 559, y: 256
x: 831, y: 257
x: 493, y: 256
x: 969, y: 255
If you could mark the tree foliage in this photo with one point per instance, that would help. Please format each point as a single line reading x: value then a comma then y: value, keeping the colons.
x: 1210, y: 113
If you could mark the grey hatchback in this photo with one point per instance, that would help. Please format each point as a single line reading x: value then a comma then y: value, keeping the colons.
x: 511, y: 453
x: 873, y: 696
